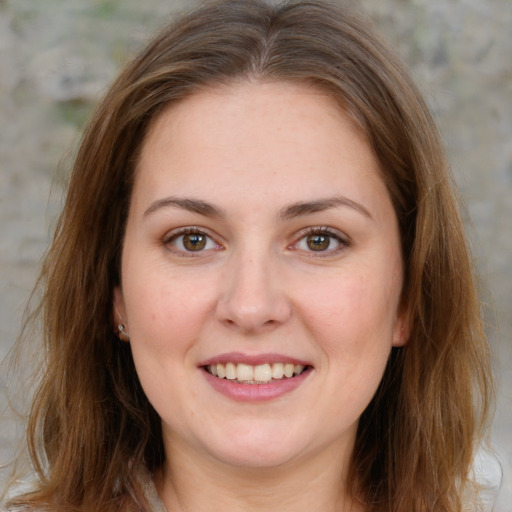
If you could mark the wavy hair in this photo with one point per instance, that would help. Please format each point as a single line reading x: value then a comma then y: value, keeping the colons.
x: 91, y: 423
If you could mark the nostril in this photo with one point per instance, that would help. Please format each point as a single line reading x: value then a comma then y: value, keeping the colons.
x: 251, y: 300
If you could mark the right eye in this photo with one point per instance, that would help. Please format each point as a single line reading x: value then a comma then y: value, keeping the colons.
x: 321, y: 242
x: 190, y: 241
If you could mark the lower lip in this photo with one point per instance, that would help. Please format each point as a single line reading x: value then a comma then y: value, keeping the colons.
x: 256, y: 392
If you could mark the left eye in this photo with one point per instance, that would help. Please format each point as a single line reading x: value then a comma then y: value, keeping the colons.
x: 191, y: 242
x: 319, y: 242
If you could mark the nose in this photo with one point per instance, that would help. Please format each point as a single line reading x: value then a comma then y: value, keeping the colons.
x: 252, y: 298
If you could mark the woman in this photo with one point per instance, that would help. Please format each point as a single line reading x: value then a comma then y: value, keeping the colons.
x: 260, y: 281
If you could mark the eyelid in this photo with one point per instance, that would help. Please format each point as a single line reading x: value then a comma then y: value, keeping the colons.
x: 187, y: 230
x: 344, y: 240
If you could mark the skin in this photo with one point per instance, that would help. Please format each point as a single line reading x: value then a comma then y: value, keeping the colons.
x: 250, y: 150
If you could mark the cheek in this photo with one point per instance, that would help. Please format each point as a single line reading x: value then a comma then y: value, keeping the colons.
x: 163, y: 303
x: 352, y: 317
x: 168, y: 317
x: 356, y: 332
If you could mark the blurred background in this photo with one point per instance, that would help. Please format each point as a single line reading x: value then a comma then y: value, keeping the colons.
x: 58, y: 56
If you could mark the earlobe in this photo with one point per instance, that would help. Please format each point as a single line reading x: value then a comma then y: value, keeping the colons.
x: 399, y: 338
x: 119, y: 315
x: 402, y: 330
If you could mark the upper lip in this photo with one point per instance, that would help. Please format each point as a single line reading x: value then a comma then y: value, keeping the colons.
x: 252, y: 359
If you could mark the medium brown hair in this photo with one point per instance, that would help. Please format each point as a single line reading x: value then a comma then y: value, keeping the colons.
x: 91, y: 423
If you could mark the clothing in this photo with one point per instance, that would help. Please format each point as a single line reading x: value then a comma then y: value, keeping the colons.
x: 489, y: 475
x: 148, y: 488
x: 486, y: 469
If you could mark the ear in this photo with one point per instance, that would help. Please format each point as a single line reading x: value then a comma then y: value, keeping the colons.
x: 119, y: 315
x: 402, y: 327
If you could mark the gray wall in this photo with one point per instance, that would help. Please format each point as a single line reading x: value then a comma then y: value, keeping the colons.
x: 57, y: 56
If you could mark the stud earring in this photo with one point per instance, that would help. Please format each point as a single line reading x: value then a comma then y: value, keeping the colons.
x: 120, y: 328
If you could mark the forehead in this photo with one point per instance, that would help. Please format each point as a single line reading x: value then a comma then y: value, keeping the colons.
x: 266, y: 138
x: 251, y: 109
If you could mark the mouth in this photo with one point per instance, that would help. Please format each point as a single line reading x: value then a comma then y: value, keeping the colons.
x: 258, y: 374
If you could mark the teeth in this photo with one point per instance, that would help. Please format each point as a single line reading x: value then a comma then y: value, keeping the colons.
x: 288, y: 370
x: 260, y: 374
x: 245, y: 372
x: 299, y: 368
x: 230, y: 371
x: 263, y: 373
x: 277, y: 370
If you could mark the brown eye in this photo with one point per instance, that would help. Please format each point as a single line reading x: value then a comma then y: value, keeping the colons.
x: 194, y: 241
x: 318, y: 242
x: 321, y: 240
x: 190, y: 241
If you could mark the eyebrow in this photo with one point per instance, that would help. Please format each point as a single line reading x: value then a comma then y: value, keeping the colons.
x: 306, y: 208
x: 189, y: 204
x: 291, y: 211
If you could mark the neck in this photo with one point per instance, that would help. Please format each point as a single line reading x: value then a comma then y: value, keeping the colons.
x: 211, y: 486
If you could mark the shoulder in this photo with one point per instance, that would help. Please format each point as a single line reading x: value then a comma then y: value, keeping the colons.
x: 488, y: 475
x: 17, y: 489
x: 147, y: 484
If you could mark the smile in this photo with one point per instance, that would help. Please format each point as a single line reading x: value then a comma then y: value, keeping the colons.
x: 259, y: 374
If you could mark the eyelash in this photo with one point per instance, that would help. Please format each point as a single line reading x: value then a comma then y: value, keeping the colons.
x: 342, y: 241
x: 173, y: 236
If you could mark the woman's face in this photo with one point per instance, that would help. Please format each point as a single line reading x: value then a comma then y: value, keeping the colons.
x: 261, y: 275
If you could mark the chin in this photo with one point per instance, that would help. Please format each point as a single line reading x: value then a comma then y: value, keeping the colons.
x: 255, y: 458
x: 254, y: 449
